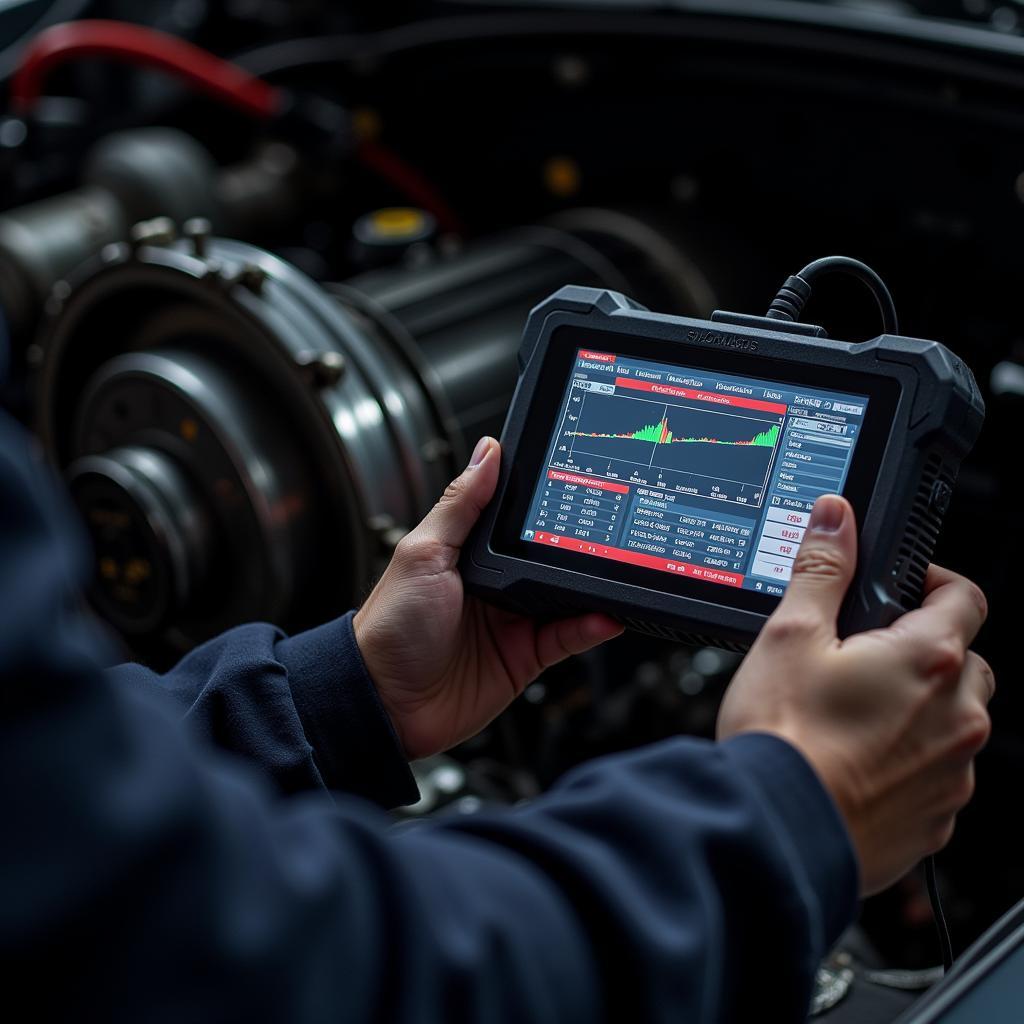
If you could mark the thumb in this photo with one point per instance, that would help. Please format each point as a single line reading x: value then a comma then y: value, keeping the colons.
x: 824, y: 564
x: 448, y: 523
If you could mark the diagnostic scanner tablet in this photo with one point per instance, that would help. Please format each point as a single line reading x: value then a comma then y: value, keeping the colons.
x: 663, y: 470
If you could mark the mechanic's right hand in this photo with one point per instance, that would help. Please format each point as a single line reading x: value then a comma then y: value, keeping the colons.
x: 891, y: 720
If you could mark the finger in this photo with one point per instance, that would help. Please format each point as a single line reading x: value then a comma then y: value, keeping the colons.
x: 954, y: 609
x: 824, y: 565
x: 968, y: 729
x: 940, y: 833
x: 937, y: 576
x: 557, y: 640
x: 950, y: 788
x: 978, y: 679
x: 448, y: 523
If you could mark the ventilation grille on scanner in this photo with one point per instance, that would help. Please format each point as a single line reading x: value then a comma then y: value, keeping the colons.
x: 681, y: 637
x: 921, y: 534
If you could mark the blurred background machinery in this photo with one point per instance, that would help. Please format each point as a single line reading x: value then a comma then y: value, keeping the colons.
x: 264, y: 267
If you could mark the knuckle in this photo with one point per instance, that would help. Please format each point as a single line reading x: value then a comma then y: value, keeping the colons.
x: 452, y: 492
x: 987, y: 675
x: 978, y: 599
x: 790, y: 627
x: 819, y: 560
x: 946, y: 658
x: 414, y: 550
x: 975, y: 729
x: 405, y: 549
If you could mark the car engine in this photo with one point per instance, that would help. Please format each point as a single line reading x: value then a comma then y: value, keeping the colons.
x: 265, y: 266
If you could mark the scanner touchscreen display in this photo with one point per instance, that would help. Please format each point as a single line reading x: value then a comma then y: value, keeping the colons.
x: 699, y: 473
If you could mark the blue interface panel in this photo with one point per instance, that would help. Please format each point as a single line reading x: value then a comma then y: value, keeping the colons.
x: 687, y: 471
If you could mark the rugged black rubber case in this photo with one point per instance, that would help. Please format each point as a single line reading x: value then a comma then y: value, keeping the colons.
x: 938, y: 416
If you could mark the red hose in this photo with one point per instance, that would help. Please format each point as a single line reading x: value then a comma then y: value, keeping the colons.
x: 134, y: 44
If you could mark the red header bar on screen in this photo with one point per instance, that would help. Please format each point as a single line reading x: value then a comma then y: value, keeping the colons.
x: 697, y: 572
x: 587, y: 481
x: 671, y: 391
x: 597, y: 357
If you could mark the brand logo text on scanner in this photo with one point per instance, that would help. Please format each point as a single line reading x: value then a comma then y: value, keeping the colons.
x: 721, y: 340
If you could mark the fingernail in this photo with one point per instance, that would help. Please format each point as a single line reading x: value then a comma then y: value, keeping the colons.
x: 483, y: 446
x: 827, y: 514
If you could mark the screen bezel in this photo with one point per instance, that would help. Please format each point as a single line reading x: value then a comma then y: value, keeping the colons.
x: 531, y: 455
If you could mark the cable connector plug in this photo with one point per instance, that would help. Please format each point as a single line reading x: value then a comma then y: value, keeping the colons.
x: 793, y: 295
x: 790, y: 301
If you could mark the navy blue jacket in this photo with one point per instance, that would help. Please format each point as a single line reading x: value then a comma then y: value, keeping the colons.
x: 153, y: 869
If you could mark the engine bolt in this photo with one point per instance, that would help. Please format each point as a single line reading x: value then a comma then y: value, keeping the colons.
x: 324, y: 369
x: 158, y: 231
x: 197, y: 230
x: 252, y: 276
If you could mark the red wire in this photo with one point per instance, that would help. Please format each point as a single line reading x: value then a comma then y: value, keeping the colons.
x: 203, y: 71
x: 137, y: 45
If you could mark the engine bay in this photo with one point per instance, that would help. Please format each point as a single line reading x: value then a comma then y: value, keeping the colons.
x: 257, y: 321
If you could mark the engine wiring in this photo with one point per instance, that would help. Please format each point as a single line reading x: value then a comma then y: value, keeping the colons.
x: 145, y: 47
x: 205, y: 73
x: 56, y: 12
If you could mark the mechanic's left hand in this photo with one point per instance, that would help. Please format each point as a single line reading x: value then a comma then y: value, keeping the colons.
x: 446, y: 664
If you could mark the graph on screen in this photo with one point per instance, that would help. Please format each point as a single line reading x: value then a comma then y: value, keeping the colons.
x: 661, y: 433
x: 681, y: 446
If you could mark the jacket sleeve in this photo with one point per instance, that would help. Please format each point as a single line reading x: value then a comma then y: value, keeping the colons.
x: 146, y: 875
x: 303, y: 709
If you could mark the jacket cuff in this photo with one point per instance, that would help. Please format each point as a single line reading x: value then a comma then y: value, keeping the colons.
x: 354, y: 744
x: 808, y: 824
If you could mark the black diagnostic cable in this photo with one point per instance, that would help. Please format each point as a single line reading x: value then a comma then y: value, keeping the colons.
x: 945, y: 943
x: 788, y: 305
x: 793, y: 295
